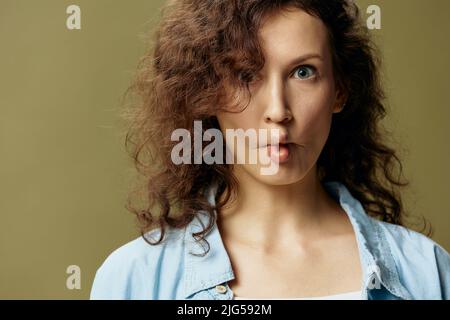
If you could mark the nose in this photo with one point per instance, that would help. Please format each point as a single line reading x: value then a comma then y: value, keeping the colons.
x: 277, y: 109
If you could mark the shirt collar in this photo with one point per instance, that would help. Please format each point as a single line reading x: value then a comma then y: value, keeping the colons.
x: 214, y: 268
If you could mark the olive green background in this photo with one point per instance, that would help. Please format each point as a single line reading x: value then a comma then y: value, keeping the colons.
x: 64, y: 173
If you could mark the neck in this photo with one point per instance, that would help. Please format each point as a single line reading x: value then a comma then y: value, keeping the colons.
x: 262, y: 213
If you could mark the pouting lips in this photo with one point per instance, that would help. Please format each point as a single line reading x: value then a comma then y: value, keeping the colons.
x: 279, y: 153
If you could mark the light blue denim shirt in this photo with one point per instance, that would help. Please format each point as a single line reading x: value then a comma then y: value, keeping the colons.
x: 397, y: 263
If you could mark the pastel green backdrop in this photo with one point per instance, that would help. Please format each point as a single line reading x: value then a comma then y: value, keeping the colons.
x: 64, y: 172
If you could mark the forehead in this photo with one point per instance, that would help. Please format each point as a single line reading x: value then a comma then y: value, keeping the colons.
x: 286, y: 34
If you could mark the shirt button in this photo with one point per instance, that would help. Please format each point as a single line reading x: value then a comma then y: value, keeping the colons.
x: 221, y: 288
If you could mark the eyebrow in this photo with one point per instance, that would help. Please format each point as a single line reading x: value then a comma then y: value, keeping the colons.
x: 305, y: 57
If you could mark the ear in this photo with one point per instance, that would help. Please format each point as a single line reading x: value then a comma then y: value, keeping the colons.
x: 340, y: 101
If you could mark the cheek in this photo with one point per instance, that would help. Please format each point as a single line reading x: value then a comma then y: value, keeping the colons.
x: 243, y: 120
x: 313, y: 116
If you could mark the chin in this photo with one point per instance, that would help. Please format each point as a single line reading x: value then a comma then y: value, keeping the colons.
x: 286, y: 175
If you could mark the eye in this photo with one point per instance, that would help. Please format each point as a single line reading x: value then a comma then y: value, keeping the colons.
x: 305, y: 72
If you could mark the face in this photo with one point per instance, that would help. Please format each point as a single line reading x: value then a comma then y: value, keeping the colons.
x: 294, y: 93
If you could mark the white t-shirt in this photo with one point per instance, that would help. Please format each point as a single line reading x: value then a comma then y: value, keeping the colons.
x: 355, y: 295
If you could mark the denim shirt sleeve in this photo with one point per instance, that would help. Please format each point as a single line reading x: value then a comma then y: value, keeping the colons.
x: 140, y: 271
x: 120, y: 276
x: 422, y: 264
x: 443, y: 269
x: 109, y: 283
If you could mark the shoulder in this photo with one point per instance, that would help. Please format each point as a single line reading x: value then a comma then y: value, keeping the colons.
x: 133, y: 271
x: 422, y: 264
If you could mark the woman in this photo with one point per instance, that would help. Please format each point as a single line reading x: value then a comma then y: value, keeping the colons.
x: 327, y: 223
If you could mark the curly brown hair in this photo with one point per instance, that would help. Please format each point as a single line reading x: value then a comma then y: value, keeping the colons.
x: 200, y: 48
